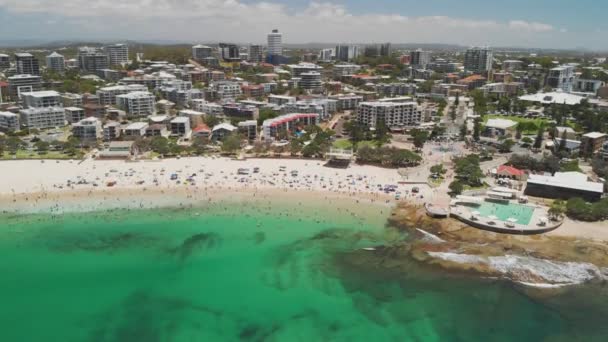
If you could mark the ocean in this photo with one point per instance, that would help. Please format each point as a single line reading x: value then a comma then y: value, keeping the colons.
x: 256, y: 272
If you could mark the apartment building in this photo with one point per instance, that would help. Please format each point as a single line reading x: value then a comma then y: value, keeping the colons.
x: 347, y: 102
x: 298, y: 69
x: 137, y: 104
x: 200, y: 52
x: 346, y: 53
x: 74, y: 114
x: 256, y: 54
x: 340, y: 70
x: 280, y: 99
x: 88, y: 129
x: 118, y: 54
x: 180, y: 126
x: 285, y: 124
x: 311, y: 81
x: 135, y: 130
x: 561, y: 77
x: 111, y: 131
x: 92, y: 60
x: 209, y: 108
x: 44, y: 117
x: 393, y: 114
x: 249, y: 128
x: 26, y: 64
x: 72, y: 100
x: 9, y: 121
x: 5, y: 62
x: 395, y: 89
x: 39, y: 99
x: 227, y: 90
x: 55, y: 62
x: 478, y: 60
x: 23, y: 83
x: 420, y: 59
x: 107, y: 95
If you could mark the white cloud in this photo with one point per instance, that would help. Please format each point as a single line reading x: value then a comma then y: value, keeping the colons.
x: 213, y: 20
x: 530, y: 26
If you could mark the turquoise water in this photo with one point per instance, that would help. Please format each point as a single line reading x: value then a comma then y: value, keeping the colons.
x: 264, y: 274
x: 522, y: 213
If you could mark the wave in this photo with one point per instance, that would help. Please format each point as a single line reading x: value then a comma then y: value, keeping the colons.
x: 531, y: 271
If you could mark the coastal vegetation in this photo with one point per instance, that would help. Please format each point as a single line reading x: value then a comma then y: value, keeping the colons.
x: 468, y: 174
x: 387, y: 156
x: 578, y: 209
x: 547, y: 163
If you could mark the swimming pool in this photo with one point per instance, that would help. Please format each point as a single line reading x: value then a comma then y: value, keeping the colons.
x: 505, y: 211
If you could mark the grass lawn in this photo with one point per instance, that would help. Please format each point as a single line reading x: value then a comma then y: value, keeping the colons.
x: 346, y: 144
x: 24, y: 154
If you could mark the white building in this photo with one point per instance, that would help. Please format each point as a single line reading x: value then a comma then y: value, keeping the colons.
x: 512, y: 65
x: 346, y: 53
x: 74, y: 114
x: 299, y: 69
x: 561, y: 77
x: 55, y: 62
x: 281, y: 99
x: 394, y: 115
x: 40, y: 118
x: 135, y: 130
x: 340, y: 70
x: 478, y: 60
x: 227, y: 90
x: 138, y: 103
x: 326, y: 55
x: 249, y: 128
x: 347, y: 102
x: 39, y: 99
x: 23, y: 83
x: 88, y: 129
x: 209, y: 108
x: 587, y: 86
x: 275, y: 43
x: 111, y: 130
x: 311, y: 81
x: 107, y: 95
x: 118, y: 54
x: 9, y: 121
x: 180, y: 126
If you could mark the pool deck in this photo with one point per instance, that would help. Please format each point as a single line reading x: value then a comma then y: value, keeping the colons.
x: 465, y: 214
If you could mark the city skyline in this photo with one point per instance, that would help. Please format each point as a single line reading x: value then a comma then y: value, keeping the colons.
x: 543, y: 24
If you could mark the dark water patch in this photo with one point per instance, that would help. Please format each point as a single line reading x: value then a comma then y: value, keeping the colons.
x: 196, y: 243
x: 99, y: 241
x: 259, y: 237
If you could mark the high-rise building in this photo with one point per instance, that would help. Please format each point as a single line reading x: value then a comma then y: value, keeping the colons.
x: 92, y: 60
x: 5, y: 61
x: 311, y: 80
x: 9, y: 121
x: 561, y: 77
x: 118, y: 54
x: 137, y: 103
x: 55, y: 62
x: 478, y: 60
x: 420, y: 59
x: 23, y: 83
x: 275, y: 43
x: 385, y: 49
x: 392, y: 114
x: 326, y: 55
x: 256, y: 53
x: 26, y: 63
x: 346, y: 53
x: 200, y: 52
x: 41, y: 99
x: 45, y: 117
x: 229, y: 52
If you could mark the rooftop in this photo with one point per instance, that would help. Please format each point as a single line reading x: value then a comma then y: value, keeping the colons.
x: 136, y: 126
x: 594, y: 135
x: 553, y: 97
x: 500, y: 123
x: 568, y: 180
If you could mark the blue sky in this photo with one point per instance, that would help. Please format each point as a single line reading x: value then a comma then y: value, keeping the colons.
x: 526, y: 23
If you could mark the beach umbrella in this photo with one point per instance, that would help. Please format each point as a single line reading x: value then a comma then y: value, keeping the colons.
x: 512, y: 220
x: 476, y: 213
x: 492, y: 217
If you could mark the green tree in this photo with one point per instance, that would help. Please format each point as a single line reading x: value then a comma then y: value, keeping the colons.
x: 538, y: 142
x: 160, y: 145
x: 463, y: 131
x: 295, y: 146
x: 231, y: 143
x: 505, y: 146
x: 420, y: 137
x: 456, y: 188
x: 265, y: 114
x: 557, y: 209
x: 42, y: 146
x: 438, y: 169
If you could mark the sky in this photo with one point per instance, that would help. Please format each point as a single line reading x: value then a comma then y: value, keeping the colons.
x: 562, y: 24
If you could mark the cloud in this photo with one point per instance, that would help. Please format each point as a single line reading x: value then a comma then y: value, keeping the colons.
x: 214, y: 20
x: 530, y: 26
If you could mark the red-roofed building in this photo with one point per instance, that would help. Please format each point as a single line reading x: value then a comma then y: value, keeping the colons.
x: 473, y: 82
x: 385, y: 67
x: 272, y: 128
x: 201, y: 131
x: 506, y: 171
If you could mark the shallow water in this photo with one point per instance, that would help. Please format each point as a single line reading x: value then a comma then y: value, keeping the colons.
x: 279, y: 274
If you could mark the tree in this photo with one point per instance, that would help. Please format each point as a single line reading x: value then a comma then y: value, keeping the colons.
x: 557, y: 209
x: 506, y: 145
x: 42, y: 146
x: 453, y: 113
x: 456, y: 188
x: 538, y: 142
x: 265, y: 114
x: 476, y: 129
x: 457, y: 100
x: 381, y: 133
x: 463, y: 131
x: 160, y: 145
x: 527, y: 141
x: 420, y: 138
x: 231, y: 143
x: 211, y: 120
x: 295, y: 146
x: 438, y: 169
x: 518, y: 130
x: 13, y: 144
